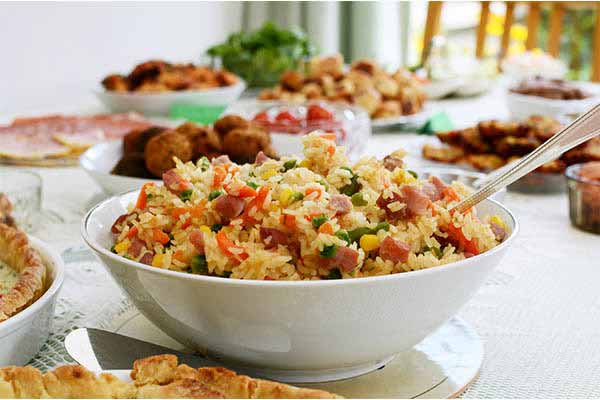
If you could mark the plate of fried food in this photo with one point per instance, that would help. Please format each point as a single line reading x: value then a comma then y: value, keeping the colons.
x: 155, y: 86
x: 492, y: 144
x: 388, y: 98
x: 145, y: 154
x: 57, y: 140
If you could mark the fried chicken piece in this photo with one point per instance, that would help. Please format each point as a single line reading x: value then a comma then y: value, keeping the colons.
x: 365, y: 65
x: 146, y: 71
x: 161, y: 149
x: 387, y: 86
x: 243, y: 144
x: 330, y: 65
x: 388, y: 108
x: 116, y: 83
x: 496, y: 129
x: 292, y: 81
x: 151, y: 87
x: 516, y: 146
x: 446, y: 154
x: 543, y: 128
x: 472, y: 142
x: 226, y: 78
x: 312, y: 91
x: 361, y: 80
x: 588, y: 151
x: 553, y: 167
x: 135, y: 141
x: 229, y: 122
x: 485, y: 162
x: 369, y: 100
x: 452, y: 138
x: 6, y: 208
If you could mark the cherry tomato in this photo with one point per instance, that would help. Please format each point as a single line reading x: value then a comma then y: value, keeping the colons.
x: 316, y: 112
x: 262, y: 117
x: 286, y: 117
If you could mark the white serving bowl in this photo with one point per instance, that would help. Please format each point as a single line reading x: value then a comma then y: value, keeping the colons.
x: 295, y: 331
x: 100, y: 159
x: 162, y: 102
x: 22, y: 335
x: 523, y: 106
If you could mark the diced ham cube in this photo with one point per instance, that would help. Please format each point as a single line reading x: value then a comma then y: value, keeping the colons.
x: 345, y: 259
x: 147, y: 258
x: 229, y: 206
x: 197, y: 240
x: 272, y: 237
x: 340, y: 203
x: 175, y: 183
x: 261, y: 158
x: 391, y: 163
x: 221, y: 160
x: 394, y: 250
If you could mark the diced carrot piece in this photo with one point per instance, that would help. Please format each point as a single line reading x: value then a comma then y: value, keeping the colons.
x: 186, y: 223
x: 159, y: 236
x: 226, y: 245
x: 220, y: 174
x: 450, y: 194
x: 132, y: 232
x: 326, y: 228
x: 289, y: 221
x: 457, y: 235
x: 314, y: 190
x: 328, y: 136
x: 143, y: 196
x: 198, y: 210
x: 180, y: 255
x: 242, y: 191
x: 331, y: 150
x: 256, y: 203
x: 178, y: 212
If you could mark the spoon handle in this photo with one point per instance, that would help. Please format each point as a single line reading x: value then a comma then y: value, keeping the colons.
x: 583, y: 128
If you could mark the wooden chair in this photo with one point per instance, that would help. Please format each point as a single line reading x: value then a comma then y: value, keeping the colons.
x: 434, y: 12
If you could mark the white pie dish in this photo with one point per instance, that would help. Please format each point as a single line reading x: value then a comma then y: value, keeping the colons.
x: 310, y: 330
x: 22, y: 335
x: 161, y: 103
x: 522, y: 106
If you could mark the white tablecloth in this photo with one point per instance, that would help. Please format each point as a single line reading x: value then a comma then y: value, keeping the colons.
x: 538, y: 315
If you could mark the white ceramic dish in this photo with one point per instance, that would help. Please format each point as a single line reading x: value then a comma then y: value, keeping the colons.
x: 333, y: 328
x: 22, y: 335
x: 523, y: 106
x: 99, y: 160
x: 161, y: 103
x: 417, y: 119
x: 441, y: 89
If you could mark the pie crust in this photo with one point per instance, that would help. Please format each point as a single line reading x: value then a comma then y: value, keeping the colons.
x: 16, y: 253
x: 153, y: 377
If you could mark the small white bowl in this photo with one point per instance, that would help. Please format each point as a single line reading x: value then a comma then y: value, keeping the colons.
x: 523, y: 106
x: 162, y: 102
x: 296, y: 331
x: 22, y: 335
x: 440, y: 89
x: 98, y: 162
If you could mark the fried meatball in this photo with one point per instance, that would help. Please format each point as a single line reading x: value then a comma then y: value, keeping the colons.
x: 133, y: 165
x: 292, y: 80
x: 331, y: 65
x: 227, y: 123
x: 135, y: 141
x: 242, y: 145
x: 204, y: 140
x: 161, y: 149
x: 365, y: 65
x: 447, y: 154
x: 115, y: 83
x: 369, y: 100
x: 388, y: 108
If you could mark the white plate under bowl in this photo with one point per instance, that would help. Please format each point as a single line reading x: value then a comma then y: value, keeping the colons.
x: 417, y: 119
x: 22, y: 335
x: 441, y: 366
x: 310, y: 328
x: 100, y: 159
x: 523, y: 106
x: 162, y: 102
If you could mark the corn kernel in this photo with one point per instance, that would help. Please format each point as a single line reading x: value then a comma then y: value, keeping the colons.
x: 369, y: 242
x: 268, y: 174
x: 286, y: 196
x: 304, y: 163
x: 498, y: 221
x: 402, y: 176
x: 123, y: 246
x: 205, y: 229
x: 157, y: 260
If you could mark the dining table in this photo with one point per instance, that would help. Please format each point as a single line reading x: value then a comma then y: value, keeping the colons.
x: 538, y: 313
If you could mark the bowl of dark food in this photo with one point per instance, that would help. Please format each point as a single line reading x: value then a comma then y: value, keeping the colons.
x: 550, y: 98
x: 492, y: 144
x: 309, y: 269
x: 287, y: 122
x: 583, y: 181
x: 146, y: 154
x: 155, y: 87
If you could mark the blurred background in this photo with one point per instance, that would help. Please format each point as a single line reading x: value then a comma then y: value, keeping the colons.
x: 57, y: 50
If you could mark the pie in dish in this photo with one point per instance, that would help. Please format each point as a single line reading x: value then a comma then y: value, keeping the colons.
x: 153, y: 377
x: 22, y: 272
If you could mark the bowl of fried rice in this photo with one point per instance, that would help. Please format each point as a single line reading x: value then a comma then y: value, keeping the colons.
x: 307, y: 269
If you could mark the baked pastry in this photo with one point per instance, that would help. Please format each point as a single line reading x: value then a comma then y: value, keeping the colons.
x: 6, y: 210
x: 22, y: 272
x: 153, y: 377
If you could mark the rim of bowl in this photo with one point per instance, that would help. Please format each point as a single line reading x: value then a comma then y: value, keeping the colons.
x: 571, y: 173
x: 241, y: 86
x: 57, y: 265
x: 250, y: 282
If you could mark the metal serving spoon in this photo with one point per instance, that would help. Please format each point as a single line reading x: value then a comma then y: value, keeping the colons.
x: 583, y: 128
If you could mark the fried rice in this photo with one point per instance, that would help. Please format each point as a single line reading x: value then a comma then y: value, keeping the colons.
x: 301, y: 219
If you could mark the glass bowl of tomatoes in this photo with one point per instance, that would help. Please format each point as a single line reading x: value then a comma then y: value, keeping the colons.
x: 288, y: 122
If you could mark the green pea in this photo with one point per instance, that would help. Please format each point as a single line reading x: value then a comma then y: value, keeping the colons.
x: 355, y: 234
x: 329, y: 251
x: 112, y: 249
x: 297, y: 196
x: 214, y: 194
x: 342, y: 234
x: 216, y: 227
x: 358, y: 200
x: 253, y: 185
x: 204, y: 163
x: 334, y: 274
x: 318, y: 221
x: 289, y: 165
x: 226, y: 274
x: 413, y: 173
x: 186, y: 194
x: 199, y: 265
x: 382, y: 225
